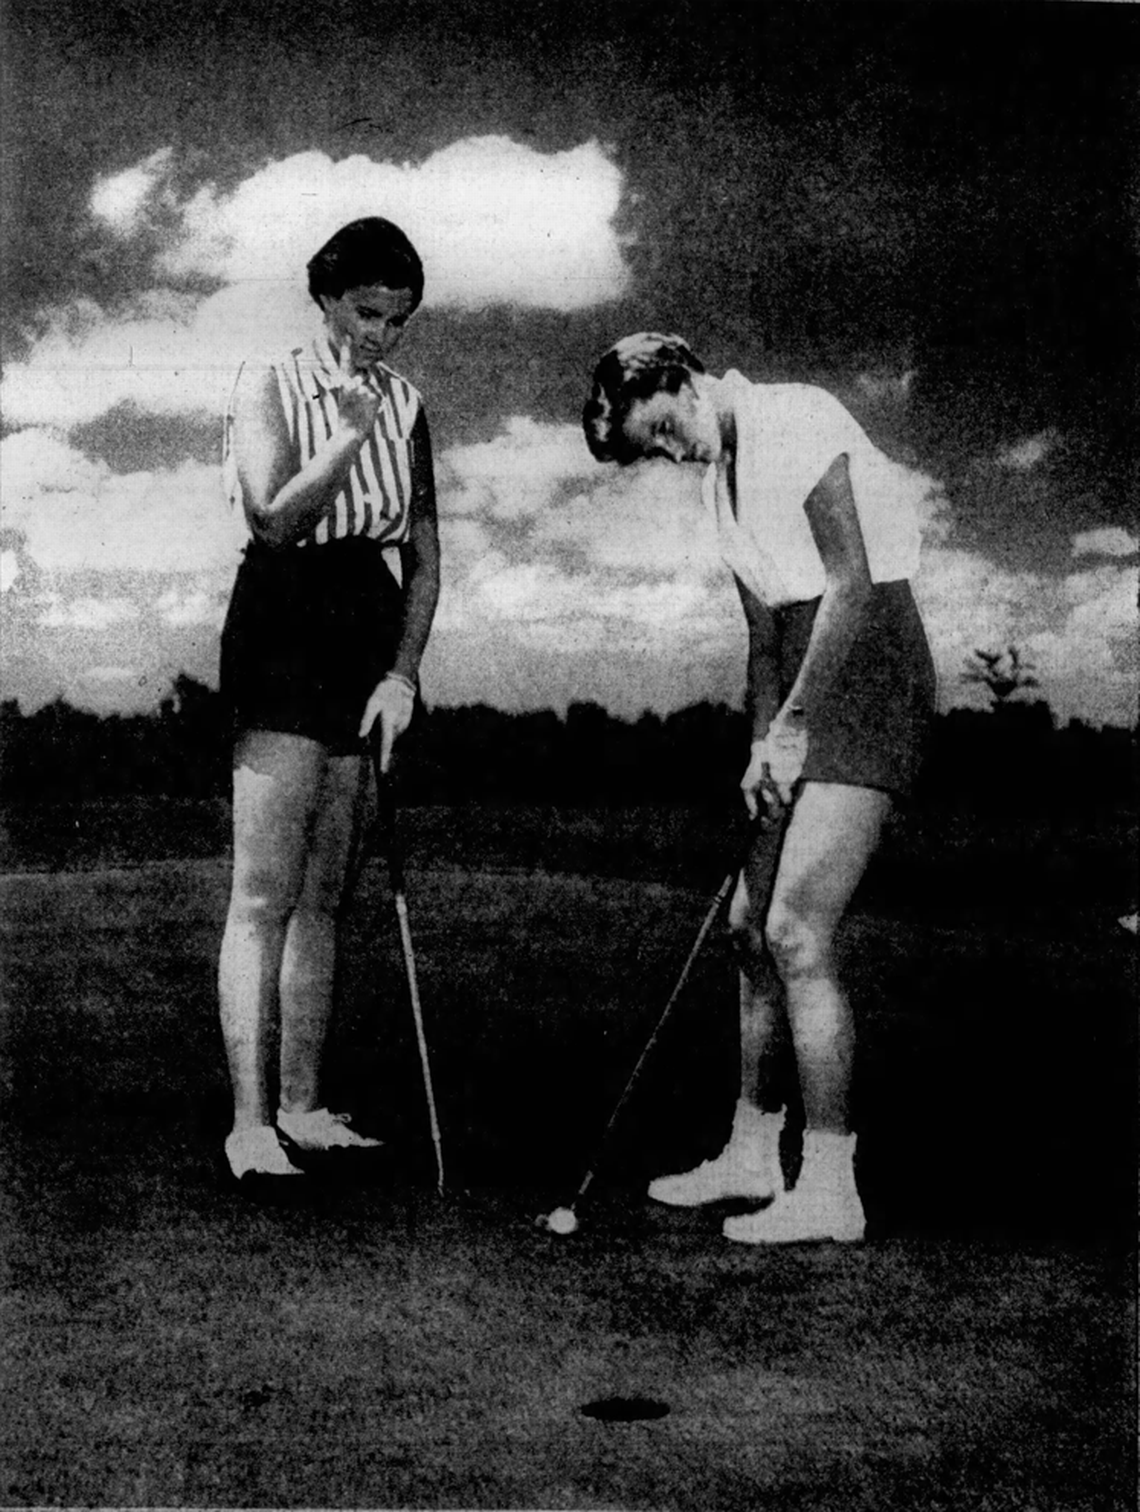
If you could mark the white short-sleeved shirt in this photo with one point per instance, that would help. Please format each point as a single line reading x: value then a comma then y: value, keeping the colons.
x: 787, y: 436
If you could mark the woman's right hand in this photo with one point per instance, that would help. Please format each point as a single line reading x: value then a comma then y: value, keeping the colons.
x: 357, y: 403
x: 756, y: 786
x: 776, y: 763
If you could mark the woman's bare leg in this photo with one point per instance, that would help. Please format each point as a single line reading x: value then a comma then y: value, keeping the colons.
x: 749, y: 1164
x: 276, y: 781
x: 763, y: 1013
x: 832, y: 835
x: 309, y: 959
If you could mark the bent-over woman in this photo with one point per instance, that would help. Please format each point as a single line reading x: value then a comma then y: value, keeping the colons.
x: 840, y: 693
x: 328, y: 453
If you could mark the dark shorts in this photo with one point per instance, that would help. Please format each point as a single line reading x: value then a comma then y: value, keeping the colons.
x: 870, y: 729
x: 310, y: 632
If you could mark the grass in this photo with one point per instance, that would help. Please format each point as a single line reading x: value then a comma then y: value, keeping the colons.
x: 168, y: 1343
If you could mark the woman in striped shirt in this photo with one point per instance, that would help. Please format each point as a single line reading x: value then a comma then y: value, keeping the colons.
x: 327, y: 451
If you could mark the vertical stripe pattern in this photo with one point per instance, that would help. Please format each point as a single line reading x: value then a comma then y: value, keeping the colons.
x: 376, y: 499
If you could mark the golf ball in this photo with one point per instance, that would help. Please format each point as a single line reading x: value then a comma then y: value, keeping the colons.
x: 562, y: 1221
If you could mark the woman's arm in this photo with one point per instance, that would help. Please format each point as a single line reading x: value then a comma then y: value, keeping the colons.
x: 393, y: 700
x: 419, y: 557
x: 762, y: 695
x: 762, y: 688
x: 834, y: 522
x: 284, y: 502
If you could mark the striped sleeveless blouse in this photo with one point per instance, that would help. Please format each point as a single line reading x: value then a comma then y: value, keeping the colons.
x: 376, y: 501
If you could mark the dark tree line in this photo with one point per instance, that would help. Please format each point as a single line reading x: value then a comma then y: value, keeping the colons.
x: 1010, y: 759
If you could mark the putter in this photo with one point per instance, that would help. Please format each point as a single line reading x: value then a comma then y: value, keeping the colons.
x: 387, y: 802
x: 773, y: 820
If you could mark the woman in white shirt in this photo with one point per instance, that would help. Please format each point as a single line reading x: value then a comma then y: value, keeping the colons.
x: 840, y: 693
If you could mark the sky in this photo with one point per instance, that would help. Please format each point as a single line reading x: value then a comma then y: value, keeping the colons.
x: 927, y: 209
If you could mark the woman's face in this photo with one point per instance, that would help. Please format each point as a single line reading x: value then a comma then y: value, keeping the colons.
x: 681, y: 427
x: 371, y: 318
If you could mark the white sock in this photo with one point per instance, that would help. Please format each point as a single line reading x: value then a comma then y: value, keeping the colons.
x: 753, y: 1126
x: 829, y: 1160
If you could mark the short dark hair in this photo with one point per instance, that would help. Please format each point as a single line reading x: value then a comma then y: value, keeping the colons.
x: 368, y: 251
x: 637, y: 367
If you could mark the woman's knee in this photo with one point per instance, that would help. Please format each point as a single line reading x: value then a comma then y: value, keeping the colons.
x: 798, y: 941
x: 264, y: 895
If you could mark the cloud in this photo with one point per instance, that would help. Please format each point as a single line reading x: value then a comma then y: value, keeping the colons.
x: 110, y: 674
x: 496, y: 222
x: 544, y: 547
x: 1090, y: 657
x: 968, y: 602
x: 1026, y: 454
x: 1110, y: 540
x: 120, y: 200
x: 75, y: 515
x: 518, y: 473
x: 1079, y: 630
x: 647, y: 519
x: 164, y: 352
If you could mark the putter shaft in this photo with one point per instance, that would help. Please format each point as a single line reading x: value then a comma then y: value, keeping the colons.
x: 776, y: 817
x: 395, y: 857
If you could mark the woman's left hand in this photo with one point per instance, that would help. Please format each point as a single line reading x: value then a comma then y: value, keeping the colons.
x: 392, y: 703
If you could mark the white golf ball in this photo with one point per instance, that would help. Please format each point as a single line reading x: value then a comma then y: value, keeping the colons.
x: 562, y: 1221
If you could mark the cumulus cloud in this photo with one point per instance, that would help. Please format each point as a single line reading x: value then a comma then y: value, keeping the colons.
x: 1089, y: 656
x: 1080, y: 630
x: 968, y: 602
x: 495, y: 221
x: 164, y: 352
x: 546, y: 547
x: 1110, y: 540
x: 76, y: 515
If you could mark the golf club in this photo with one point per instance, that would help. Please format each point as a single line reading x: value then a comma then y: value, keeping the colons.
x: 386, y: 800
x: 564, y: 1220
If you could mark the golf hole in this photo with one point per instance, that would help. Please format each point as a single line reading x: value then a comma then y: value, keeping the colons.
x: 621, y: 1409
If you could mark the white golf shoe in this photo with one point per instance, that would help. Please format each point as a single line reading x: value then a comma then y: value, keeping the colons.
x: 320, y: 1130
x: 747, y: 1167
x: 258, y: 1152
x: 824, y: 1203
